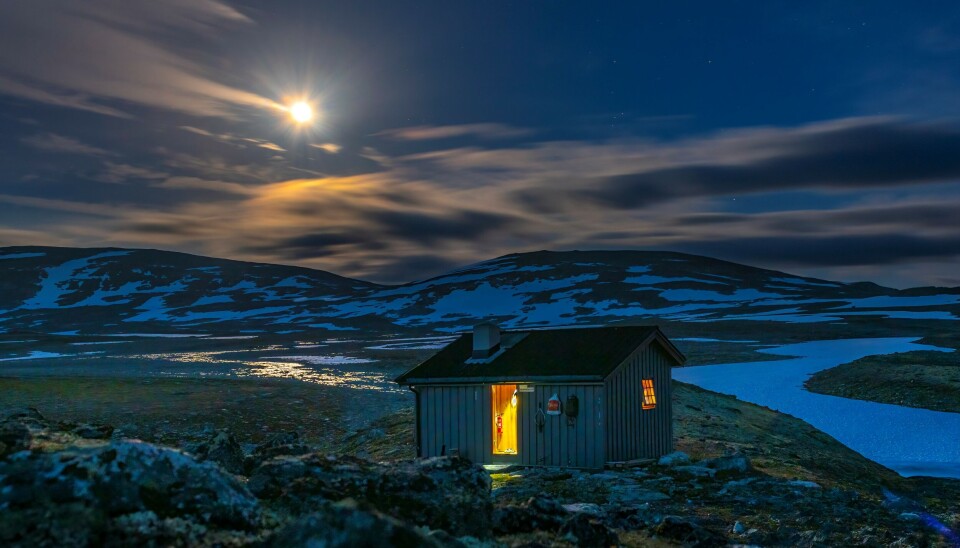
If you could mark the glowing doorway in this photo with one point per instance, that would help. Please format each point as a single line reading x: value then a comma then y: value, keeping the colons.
x: 505, y: 407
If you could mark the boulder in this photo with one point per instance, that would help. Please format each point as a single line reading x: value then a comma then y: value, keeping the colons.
x: 224, y: 450
x: 695, y: 471
x: 29, y: 430
x: 282, y: 444
x: 688, y: 533
x: 345, y: 525
x: 14, y: 437
x: 634, y: 494
x: 584, y: 508
x: 63, y: 497
x: 674, y: 459
x: 588, y: 531
x: 729, y: 465
x: 542, y: 513
x: 92, y: 431
x: 448, y: 493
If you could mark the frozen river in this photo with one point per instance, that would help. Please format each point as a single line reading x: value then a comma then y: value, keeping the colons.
x: 914, y: 442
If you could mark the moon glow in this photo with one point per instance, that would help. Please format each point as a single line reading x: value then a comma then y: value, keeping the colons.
x: 301, y: 112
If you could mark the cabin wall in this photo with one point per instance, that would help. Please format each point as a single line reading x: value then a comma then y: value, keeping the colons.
x: 561, y: 443
x: 461, y: 417
x: 634, y: 432
x: 456, y: 417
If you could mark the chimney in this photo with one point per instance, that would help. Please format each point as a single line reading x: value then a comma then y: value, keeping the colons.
x: 486, y: 340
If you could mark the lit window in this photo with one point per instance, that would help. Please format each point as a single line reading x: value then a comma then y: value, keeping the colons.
x: 649, y: 398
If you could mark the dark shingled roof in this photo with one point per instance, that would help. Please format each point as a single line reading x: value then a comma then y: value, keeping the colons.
x: 584, y: 354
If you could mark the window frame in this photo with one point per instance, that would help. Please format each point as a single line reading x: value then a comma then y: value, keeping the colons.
x: 649, y: 394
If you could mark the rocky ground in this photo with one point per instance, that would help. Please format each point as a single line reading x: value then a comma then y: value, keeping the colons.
x: 930, y: 380
x: 746, y: 476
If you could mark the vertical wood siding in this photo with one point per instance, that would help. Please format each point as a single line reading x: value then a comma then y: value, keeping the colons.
x: 461, y: 417
x: 633, y: 432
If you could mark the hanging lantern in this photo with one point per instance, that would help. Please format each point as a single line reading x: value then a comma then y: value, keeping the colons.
x: 553, y: 405
x: 513, y: 399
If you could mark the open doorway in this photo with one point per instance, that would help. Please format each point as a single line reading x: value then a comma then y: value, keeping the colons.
x: 505, y: 408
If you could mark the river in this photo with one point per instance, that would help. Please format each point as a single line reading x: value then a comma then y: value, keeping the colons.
x: 914, y: 442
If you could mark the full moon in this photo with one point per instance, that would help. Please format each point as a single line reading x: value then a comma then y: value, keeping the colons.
x: 301, y: 112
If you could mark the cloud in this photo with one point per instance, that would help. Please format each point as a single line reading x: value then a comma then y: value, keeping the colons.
x: 101, y: 56
x: 830, y: 250
x: 854, y: 154
x: 329, y: 148
x: 271, y: 146
x: 422, y: 212
x: 58, y: 143
x: 485, y: 131
x: 120, y: 173
x: 429, y: 228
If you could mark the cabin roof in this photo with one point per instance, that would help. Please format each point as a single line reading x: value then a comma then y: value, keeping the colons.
x: 561, y: 355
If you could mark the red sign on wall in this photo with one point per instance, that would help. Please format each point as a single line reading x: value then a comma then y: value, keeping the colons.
x: 553, y: 405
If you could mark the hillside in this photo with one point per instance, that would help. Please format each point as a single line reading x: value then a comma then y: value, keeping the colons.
x: 750, y: 476
x: 928, y: 380
x: 50, y: 290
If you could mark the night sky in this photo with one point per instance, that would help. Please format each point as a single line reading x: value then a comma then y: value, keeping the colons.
x: 821, y: 138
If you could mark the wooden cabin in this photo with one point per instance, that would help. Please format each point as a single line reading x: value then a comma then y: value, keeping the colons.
x: 578, y: 398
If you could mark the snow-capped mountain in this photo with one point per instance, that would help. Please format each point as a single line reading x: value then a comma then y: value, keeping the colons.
x: 45, y: 289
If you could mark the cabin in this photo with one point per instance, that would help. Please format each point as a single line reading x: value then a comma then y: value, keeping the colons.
x: 580, y: 398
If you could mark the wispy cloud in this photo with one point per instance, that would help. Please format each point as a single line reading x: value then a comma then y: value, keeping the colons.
x: 329, y: 148
x: 885, y: 191
x: 485, y: 131
x: 101, y: 56
x: 58, y: 143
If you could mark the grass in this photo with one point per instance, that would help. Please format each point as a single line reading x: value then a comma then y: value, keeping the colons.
x: 925, y: 379
x: 708, y: 424
x: 171, y: 410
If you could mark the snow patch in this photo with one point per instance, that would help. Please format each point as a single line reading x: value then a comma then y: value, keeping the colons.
x: 21, y: 255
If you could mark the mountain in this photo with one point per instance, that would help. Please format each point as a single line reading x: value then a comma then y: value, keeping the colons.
x: 107, y: 290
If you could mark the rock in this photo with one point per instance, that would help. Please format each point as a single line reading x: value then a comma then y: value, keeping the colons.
x: 556, y: 476
x: 448, y: 493
x: 286, y: 443
x: 603, y: 476
x: 148, y: 529
x: 674, y: 459
x: 737, y: 464
x: 345, y: 525
x: 92, y: 432
x: 909, y: 516
x: 540, y: 513
x: 733, y: 485
x: 738, y: 528
x: 28, y: 430
x: 695, y: 471
x: 585, y: 530
x: 805, y: 484
x: 899, y: 504
x: 634, y: 494
x: 77, y: 495
x: 688, y: 533
x: 588, y: 508
x: 224, y: 450
x: 14, y: 436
